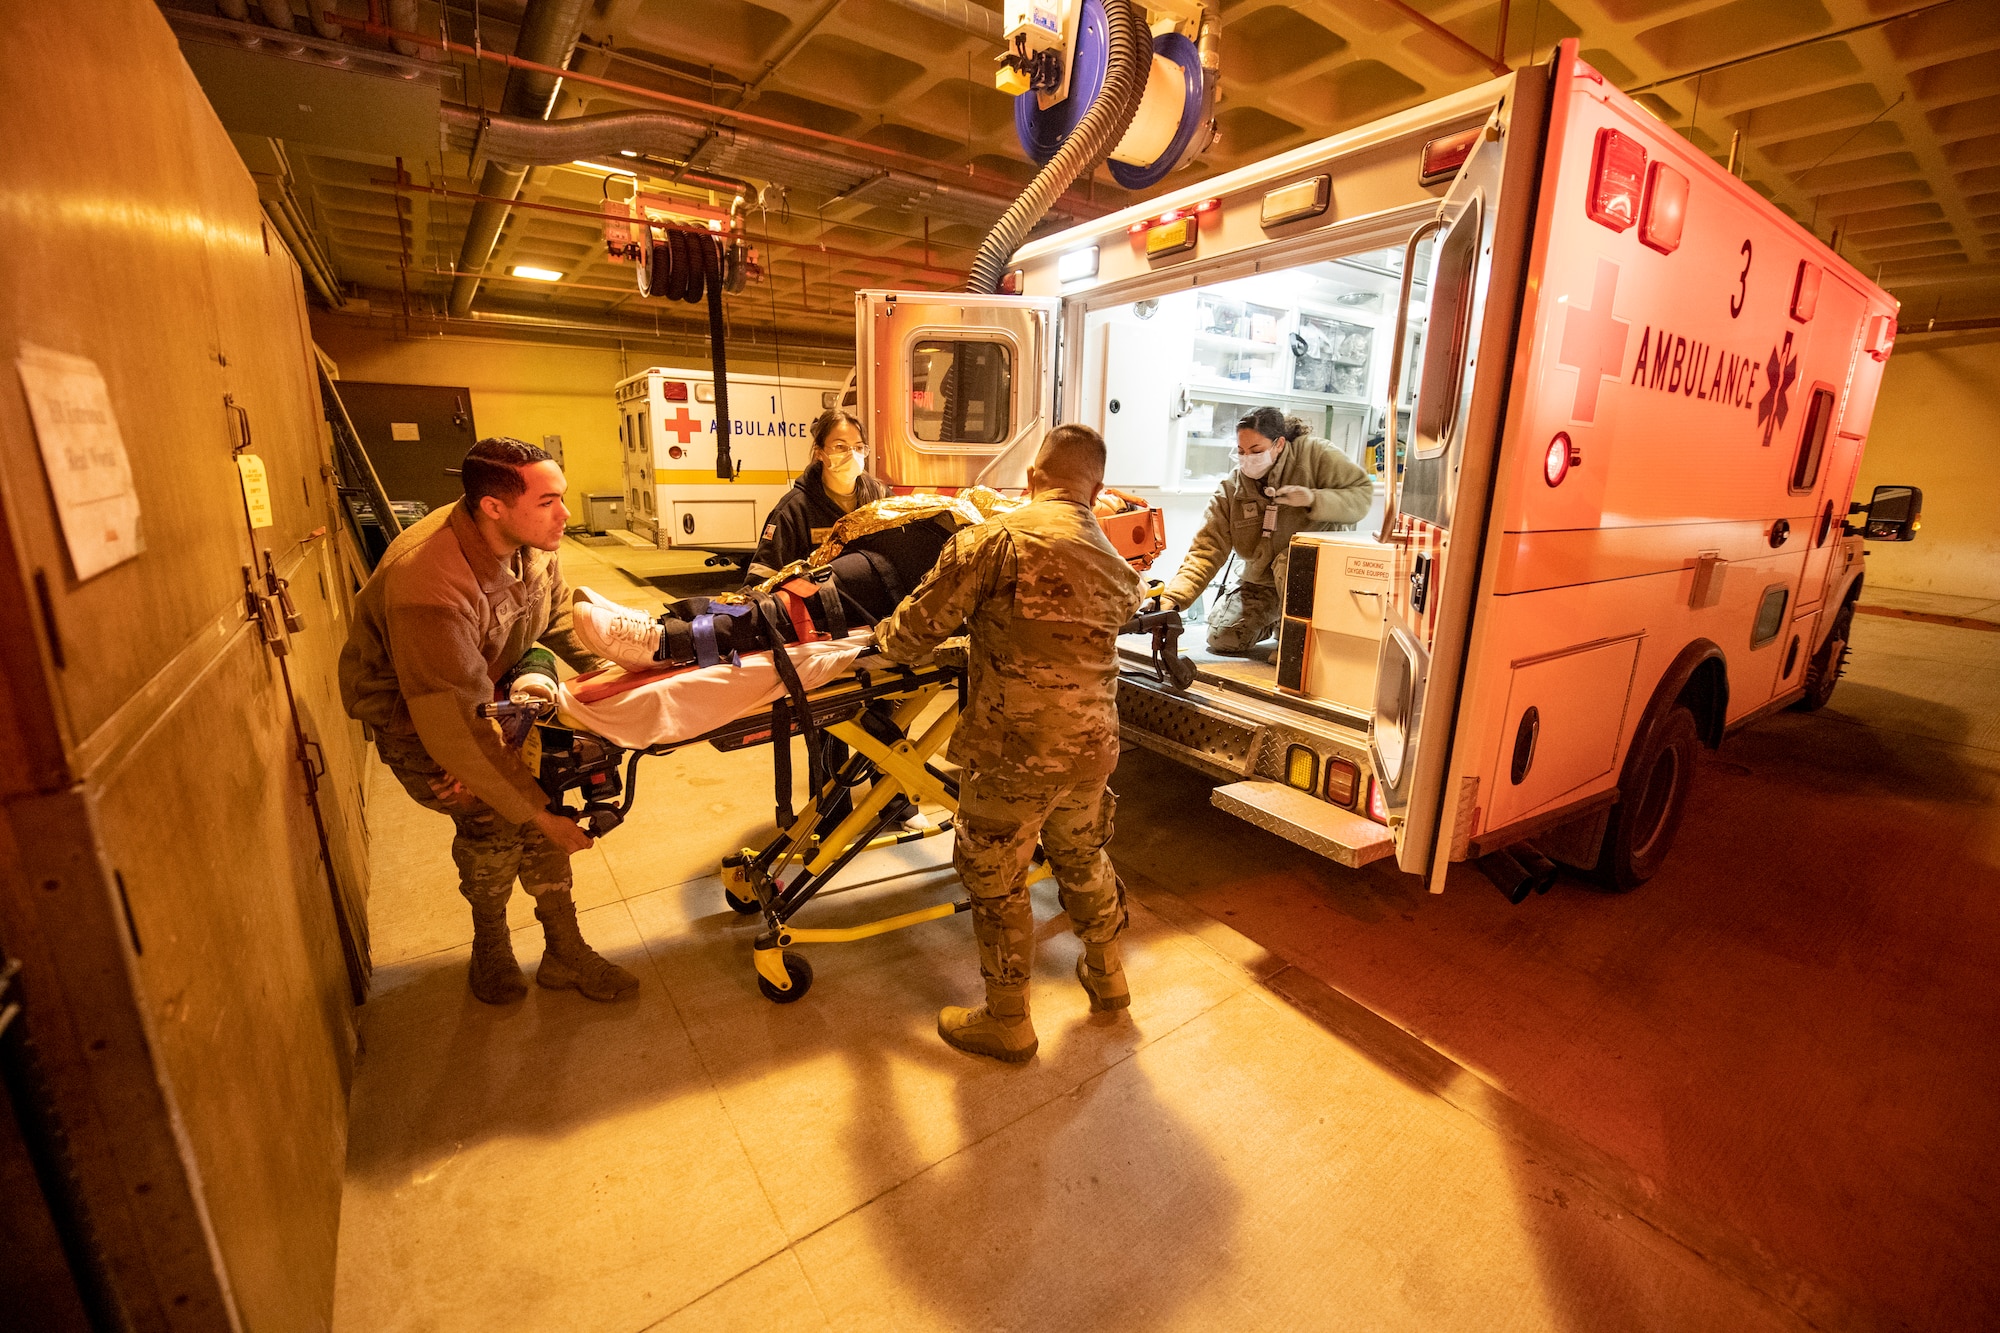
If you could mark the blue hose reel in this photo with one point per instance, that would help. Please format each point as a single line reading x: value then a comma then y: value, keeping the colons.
x: 1043, y: 131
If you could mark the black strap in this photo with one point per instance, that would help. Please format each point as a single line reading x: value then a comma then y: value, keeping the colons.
x: 781, y: 657
x: 781, y: 759
x: 836, y: 614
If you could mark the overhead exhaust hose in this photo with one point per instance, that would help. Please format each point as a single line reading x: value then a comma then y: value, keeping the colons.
x: 711, y: 263
x: 1129, y: 55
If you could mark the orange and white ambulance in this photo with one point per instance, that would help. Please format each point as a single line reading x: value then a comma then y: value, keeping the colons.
x: 1617, y: 399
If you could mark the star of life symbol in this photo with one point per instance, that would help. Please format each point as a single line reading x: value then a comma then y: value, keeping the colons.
x: 1773, y: 407
x: 1593, y: 342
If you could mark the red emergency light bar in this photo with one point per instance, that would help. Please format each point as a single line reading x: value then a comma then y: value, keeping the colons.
x: 1617, y: 179
x: 674, y: 391
x: 1141, y: 227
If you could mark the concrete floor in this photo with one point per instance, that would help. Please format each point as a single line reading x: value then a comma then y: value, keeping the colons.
x: 1758, y: 1093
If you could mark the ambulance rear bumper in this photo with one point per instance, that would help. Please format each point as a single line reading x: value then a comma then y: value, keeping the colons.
x: 1248, y: 743
x: 1313, y: 824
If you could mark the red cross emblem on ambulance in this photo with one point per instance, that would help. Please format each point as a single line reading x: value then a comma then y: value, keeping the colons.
x: 1593, y: 342
x: 680, y: 424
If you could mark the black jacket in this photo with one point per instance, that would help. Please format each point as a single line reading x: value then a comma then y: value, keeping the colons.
x: 800, y: 520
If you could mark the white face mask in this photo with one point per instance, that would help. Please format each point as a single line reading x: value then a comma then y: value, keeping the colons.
x: 840, y: 470
x: 1254, y: 466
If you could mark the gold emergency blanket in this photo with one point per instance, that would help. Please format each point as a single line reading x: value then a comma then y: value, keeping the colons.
x: 971, y: 506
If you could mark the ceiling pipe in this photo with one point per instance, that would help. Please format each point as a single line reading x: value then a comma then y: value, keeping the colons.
x: 403, y: 14
x: 1073, y: 203
x: 961, y: 14
x: 239, y: 10
x: 188, y: 24
x: 278, y: 13
x: 549, y: 29
x: 556, y: 142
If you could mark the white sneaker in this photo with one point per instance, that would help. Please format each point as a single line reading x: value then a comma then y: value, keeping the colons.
x: 629, y: 638
x: 587, y: 596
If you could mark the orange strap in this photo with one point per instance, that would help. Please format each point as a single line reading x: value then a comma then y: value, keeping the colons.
x: 795, y: 606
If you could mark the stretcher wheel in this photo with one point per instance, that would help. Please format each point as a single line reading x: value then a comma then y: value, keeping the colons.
x: 741, y: 906
x: 801, y: 973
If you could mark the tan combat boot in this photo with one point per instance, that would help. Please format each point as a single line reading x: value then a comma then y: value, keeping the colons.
x: 999, y: 1028
x: 568, y: 961
x: 1102, y: 972
x: 494, y: 976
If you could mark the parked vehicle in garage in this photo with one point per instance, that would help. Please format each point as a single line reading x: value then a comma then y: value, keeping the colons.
x: 1614, y: 497
x: 666, y: 427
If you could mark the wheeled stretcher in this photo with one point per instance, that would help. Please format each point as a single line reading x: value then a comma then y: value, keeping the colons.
x: 700, y: 682
x: 874, y: 708
x: 895, y: 722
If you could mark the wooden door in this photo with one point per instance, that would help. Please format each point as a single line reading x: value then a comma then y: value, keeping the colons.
x: 162, y: 878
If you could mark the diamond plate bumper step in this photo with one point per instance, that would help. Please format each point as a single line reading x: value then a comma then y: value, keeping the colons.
x: 1180, y: 727
x: 1311, y: 823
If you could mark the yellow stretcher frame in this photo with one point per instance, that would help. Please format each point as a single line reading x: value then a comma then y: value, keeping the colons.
x: 901, y: 767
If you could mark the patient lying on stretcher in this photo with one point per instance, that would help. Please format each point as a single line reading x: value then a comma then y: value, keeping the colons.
x: 705, y: 661
x: 873, y: 559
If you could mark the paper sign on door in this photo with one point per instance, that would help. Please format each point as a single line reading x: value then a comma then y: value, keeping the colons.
x: 256, y: 489
x: 84, y: 456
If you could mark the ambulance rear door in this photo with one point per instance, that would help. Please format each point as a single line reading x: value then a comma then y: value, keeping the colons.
x: 955, y: 388
x: 1436, y: 512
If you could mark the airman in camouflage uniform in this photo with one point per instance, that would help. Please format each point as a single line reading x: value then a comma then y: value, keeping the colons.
x: 1286, y: 481
x: 1044, y: 595
x: 454, y: 609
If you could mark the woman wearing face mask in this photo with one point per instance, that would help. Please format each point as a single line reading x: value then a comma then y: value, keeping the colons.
x: 1285, y: 481
x: 833, y: 484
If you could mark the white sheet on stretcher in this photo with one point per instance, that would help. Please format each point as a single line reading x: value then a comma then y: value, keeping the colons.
x: 687, y: 704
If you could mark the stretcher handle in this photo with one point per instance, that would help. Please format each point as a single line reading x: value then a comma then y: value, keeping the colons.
x: 1390, y: 492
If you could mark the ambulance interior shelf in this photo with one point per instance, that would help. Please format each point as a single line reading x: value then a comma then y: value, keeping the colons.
x: 1168, y: 377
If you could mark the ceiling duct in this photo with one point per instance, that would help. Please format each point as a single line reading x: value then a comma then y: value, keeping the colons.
x: 549, y: 29
x: 524, y: 143
x: 964, y: 15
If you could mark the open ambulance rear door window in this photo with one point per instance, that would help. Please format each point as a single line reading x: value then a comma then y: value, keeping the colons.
x: 1450, y: 326
x: 961, y: 390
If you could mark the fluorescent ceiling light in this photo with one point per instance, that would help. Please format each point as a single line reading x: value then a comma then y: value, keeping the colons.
x: 538, y: 274
x: 626, y: 152
x: 602, y: 169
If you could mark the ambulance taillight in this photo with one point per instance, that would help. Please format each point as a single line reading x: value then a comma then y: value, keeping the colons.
x: 1343, y: 782
x: 1301, y: 768
x: 1378, y: 809
x: 1617, y: 180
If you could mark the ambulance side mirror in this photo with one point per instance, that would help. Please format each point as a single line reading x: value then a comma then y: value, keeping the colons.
x: 1894, y: 514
